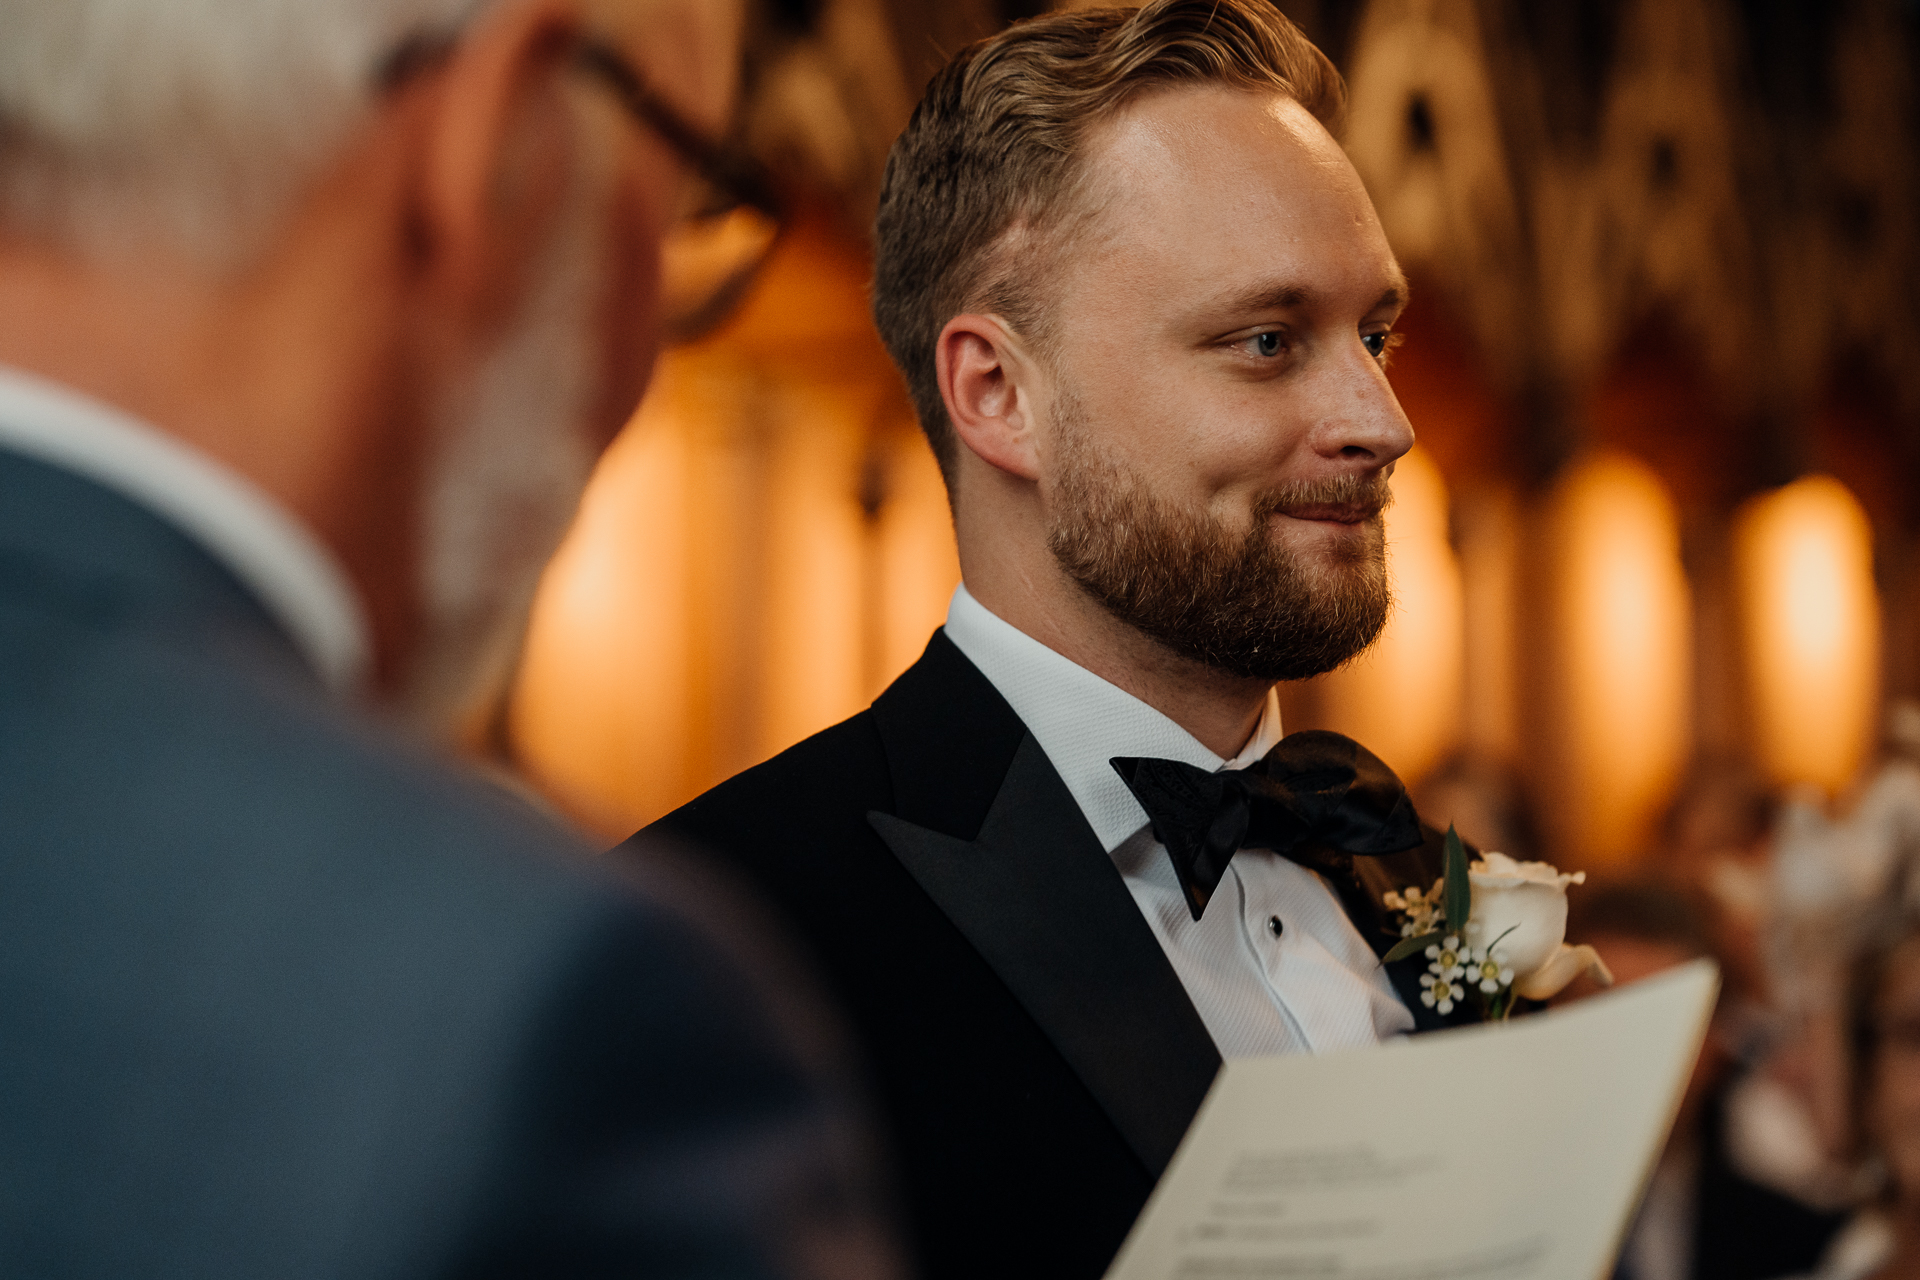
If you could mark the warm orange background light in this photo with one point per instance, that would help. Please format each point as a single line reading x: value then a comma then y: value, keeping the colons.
x: 1622, y: 612
x: 1812, y: 622
x: 603, y: 705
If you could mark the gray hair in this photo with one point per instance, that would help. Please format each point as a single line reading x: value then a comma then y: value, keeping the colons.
x: 194, y: 120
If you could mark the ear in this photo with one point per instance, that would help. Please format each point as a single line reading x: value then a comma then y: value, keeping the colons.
x: 498, y: 146
x: 985, y: 381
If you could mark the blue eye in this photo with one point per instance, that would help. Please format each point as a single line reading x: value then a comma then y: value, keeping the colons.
x: 1267, y: 344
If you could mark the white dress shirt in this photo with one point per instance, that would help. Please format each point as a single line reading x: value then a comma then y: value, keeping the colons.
x: 1309, y: 984
x: 294, y: 577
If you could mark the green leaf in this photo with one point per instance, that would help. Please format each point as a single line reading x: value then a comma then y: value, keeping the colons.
x: 1459, y: 892
x: 1408, y: 946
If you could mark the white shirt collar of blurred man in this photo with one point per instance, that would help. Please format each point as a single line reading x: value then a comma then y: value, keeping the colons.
x: 293, y: 576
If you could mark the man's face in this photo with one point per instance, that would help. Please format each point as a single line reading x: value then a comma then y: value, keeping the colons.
x: 1217, y: 430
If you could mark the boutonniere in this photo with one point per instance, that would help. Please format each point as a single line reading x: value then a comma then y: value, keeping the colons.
x: 1491, y: 931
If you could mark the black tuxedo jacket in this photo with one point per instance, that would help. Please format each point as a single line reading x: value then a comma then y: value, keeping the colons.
x: 282, y: 997
x: 1035, y: 1054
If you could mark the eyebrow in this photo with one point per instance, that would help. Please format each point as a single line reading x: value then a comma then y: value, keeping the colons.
x: 1398, y: 294
x: 1286, y: 297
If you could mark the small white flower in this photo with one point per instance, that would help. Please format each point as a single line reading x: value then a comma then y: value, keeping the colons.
x: 1448, y: 958
x: 1439, y: 993
x: 1441, y: 980
x: 1489, y: 968
x: 1420, y: 909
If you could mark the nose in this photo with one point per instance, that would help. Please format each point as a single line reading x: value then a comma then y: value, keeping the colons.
x: 1362, y: 422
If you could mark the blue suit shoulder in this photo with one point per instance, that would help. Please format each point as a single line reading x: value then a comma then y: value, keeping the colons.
x: 280, y: 994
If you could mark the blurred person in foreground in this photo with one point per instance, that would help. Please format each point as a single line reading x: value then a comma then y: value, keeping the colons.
x: 1143, y: 305
x: 313, y: 316
x: 1703, y: 1216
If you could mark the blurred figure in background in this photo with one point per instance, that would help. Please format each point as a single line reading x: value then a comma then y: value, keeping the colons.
x: 1704, y: 1217
x: 1882, y: 1082
x: 1823, y: 873
x: 1716, y: 844
x: 1825, y: 868
x: 313, y: 316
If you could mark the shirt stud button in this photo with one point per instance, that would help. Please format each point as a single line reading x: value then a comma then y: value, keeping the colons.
x: 1274, y: 926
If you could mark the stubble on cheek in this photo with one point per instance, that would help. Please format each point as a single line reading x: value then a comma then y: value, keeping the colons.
x: 1258, y: 600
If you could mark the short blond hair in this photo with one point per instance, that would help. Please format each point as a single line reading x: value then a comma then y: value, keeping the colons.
x: 989, y: 169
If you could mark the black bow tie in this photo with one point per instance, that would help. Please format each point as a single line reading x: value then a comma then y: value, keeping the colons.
x: 1313, y: 793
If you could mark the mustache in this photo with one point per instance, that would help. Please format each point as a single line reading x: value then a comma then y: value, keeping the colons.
x: 1348, y: 499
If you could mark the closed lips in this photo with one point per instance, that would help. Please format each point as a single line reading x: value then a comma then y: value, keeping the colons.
x: 1335, y: 513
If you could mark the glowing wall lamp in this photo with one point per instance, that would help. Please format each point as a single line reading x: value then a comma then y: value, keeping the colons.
x: 1811, y: 623
x: 731, y: 585
x: 707, y: 608
x: 1616, y: 700
x: 603, y: 705
x: 1402, y: 697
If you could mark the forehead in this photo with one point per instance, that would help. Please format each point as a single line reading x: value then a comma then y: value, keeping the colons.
x: 1206, y: 192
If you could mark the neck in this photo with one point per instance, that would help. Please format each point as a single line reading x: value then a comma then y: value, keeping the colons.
x: 1021, y: 583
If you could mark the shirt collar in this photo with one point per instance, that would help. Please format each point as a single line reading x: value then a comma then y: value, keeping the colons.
x: 1082, y: 721
x: 295, y: 578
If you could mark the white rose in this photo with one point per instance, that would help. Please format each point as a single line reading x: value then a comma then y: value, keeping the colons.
x: 1520, y: 908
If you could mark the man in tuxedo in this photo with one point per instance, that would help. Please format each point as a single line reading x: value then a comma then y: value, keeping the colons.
x: 313, y: 314
x: 1143, y: 305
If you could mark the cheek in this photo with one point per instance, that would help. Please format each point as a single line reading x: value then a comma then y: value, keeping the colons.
x: 1170, y: 413
x: 1200, y: 453
x: 1222, y: 441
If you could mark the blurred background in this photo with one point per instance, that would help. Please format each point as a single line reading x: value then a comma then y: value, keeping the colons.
x: 1657, y: 552
x: 1658, y: 549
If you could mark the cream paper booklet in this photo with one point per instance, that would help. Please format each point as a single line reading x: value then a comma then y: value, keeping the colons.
x: 1513, y: 1151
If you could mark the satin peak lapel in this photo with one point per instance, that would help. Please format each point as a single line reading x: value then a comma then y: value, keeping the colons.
x: 1040, y: 900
